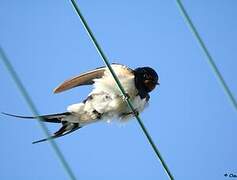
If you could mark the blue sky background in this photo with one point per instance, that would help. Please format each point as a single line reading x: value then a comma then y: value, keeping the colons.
x: 190, y: 118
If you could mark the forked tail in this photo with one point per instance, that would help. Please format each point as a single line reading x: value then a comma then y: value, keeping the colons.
x: 67, y: 127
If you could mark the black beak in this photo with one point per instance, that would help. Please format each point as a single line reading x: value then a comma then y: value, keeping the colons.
x: 157, y: 83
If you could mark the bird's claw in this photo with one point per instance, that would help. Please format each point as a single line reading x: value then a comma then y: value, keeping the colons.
x: 136, y: 113
x: 126, y: 97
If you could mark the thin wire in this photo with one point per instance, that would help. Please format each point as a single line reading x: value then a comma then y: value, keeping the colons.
x: 33, y: 109
x: 208, y: 55
x: 125, y: 95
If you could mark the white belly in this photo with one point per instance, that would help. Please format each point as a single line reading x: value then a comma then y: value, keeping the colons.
x: 106, y: 99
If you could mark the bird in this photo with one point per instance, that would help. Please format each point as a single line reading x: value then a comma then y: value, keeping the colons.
x: 105, y: 101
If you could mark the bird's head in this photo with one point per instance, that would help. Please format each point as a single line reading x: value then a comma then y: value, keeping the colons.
x: 146, y: 79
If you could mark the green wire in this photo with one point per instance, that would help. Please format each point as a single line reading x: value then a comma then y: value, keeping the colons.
x: 208, y: 55
x: 106, y: 61
x: 33, y: 109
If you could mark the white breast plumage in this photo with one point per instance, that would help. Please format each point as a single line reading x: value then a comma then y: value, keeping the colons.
x: 106, y: 101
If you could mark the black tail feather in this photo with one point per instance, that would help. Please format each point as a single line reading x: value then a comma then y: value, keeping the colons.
x: 67, y: 128
x: 53, y: 118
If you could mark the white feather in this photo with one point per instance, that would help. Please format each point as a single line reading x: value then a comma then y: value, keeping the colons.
x: 106, y: 98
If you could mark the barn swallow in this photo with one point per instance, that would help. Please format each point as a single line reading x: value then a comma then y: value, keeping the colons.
x: 105, y: 100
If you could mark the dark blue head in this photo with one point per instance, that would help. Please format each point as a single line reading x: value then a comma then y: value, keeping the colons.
x: 146, y: 79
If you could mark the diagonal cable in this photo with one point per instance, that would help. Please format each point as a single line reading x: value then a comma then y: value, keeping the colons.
x: 105, y: 59
x: 34, y: 110
x: 208, y: 55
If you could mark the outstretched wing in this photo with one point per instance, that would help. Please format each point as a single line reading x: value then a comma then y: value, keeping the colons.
x: 83, y: 79
x: 87, y: 78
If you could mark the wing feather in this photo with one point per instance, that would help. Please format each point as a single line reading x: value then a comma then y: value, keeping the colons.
x: 88, y: 77
x: 82, y: 79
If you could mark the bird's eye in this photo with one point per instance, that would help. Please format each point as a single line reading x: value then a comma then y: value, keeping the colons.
x: 146, y: 76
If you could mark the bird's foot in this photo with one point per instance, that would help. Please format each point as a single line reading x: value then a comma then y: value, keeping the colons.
x: 126, y: 97
x: 135, y: 113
